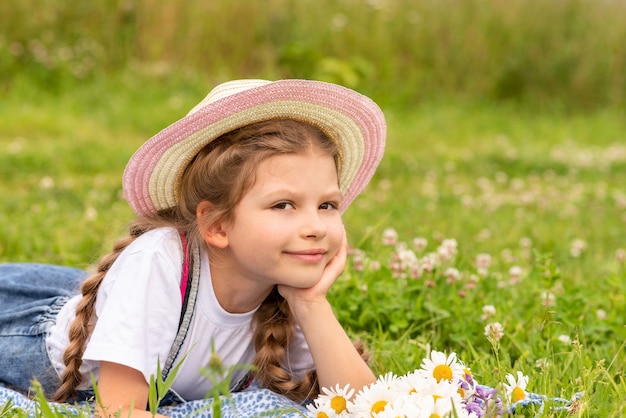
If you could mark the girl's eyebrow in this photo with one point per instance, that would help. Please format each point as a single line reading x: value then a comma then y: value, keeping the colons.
x: 281, y: 192
x: 290, y: 193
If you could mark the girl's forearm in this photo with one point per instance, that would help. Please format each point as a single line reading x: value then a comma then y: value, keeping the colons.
x: 336, y: 359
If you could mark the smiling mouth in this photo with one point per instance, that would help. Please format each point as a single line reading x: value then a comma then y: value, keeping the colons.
x: 310, y: 256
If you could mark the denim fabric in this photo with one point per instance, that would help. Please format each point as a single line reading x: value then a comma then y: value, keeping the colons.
x: 31, y: 296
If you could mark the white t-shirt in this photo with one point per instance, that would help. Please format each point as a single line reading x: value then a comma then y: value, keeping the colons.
x: 138, y: 308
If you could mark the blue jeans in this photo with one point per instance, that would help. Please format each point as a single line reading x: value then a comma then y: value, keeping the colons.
x: 31, y: 296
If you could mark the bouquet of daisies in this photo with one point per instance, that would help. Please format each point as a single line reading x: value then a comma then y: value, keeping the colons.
x: 441, y: 387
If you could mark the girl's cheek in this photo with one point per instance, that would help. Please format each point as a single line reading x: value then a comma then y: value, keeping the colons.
x: 338, y: 232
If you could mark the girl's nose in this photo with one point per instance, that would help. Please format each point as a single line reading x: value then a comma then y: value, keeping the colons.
x: 313, y: 226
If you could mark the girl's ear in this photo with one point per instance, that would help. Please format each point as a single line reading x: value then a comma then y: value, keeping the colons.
x: 213, y: 234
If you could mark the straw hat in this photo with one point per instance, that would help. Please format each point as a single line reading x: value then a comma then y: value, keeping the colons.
x: 152, y: 177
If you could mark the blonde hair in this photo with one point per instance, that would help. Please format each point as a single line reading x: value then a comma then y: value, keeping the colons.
x: 221, y: 173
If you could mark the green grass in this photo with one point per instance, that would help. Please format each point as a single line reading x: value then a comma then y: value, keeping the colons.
x: 502, y: 180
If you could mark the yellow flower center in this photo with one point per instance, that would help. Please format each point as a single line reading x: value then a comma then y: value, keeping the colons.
x: 412, y: 391
x: 442, y: 371
x: 321, y: 415
x: 338, y: 403
x: 378, y: 407
x: 517, y: 394
x: 433, y: 415
x: 461, y: 392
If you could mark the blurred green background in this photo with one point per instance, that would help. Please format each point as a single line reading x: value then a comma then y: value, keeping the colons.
x: 566, y: 53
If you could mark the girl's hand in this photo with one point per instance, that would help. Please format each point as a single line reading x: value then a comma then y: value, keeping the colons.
x: 337, y: 361
x: 317, y: 292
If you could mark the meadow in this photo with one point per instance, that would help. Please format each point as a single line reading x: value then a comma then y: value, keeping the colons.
x: 501, y: 197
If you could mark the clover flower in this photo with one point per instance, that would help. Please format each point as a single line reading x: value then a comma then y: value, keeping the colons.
x: 420, y: 244
x: 390, y: 236
x: 452, y: 275
x: 403, y: 260
x: 548, y: 299
x: 447, y: 249
x: 488, y: 312
x: 429, y: 262
x: 494, y: 332
x: 483, y: 261
x: 358, y: 259
x: 516, y: 274
x: 578, y: 247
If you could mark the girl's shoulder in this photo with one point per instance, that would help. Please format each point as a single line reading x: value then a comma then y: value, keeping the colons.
x: 156, y: 249
x: 164, y: 232
x: 156, y: 240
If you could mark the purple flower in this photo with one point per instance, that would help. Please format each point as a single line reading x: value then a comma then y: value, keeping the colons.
x: 475, y: 407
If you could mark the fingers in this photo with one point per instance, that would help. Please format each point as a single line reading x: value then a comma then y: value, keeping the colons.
x: 337, y: 264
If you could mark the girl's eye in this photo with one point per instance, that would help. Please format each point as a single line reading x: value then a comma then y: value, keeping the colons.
x: 328, y: 206
x: 283, y: 205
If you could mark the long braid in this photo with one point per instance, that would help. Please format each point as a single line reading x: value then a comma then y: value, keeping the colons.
x: 272, y: 337
x: 82, y: 325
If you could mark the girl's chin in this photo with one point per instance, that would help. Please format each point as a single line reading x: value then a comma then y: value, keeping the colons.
x: 302, y: 283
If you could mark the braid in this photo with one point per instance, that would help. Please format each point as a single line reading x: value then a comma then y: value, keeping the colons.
x: 272, y: 336
x: 82, y: 325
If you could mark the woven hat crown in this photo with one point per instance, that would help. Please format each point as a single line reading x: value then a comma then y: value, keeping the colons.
x: 228, y: 89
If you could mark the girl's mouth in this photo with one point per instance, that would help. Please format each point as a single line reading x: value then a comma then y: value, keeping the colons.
x: 308, y: 256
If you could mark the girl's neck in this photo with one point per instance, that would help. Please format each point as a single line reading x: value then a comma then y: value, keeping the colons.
x: 235, y: 295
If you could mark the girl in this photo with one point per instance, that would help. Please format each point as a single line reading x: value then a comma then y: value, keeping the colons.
x: 237, y: 241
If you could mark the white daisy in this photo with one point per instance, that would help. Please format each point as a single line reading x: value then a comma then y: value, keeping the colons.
x: 412, y: 383
x: 443, y: 407
x: 322, y: 411
x: 373, y: 399
x: 443, y: 368
x: 445, y: 390
x: 389, y: 380
x: 337, y: 399
x: 403, y: 407
x: 516, y: 390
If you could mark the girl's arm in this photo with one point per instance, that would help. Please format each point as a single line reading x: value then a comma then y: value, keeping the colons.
x: 122, y: 389
x: 336, y: 359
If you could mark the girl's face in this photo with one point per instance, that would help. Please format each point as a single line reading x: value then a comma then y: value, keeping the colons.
x: 287, y: 226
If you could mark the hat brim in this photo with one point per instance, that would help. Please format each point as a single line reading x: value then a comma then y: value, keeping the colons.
x: 354, y: 121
